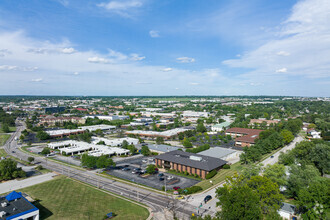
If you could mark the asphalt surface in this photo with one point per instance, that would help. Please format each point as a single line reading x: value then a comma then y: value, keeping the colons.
x: 159, y: 203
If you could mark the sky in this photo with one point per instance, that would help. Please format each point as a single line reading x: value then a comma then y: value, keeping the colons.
x: 167, y: 47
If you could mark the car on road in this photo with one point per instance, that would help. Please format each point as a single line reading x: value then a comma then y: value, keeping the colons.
x: 207, y: 198
x: 272, y: 156
x: 179, y: 197
x: 13, y: 151
x: 161, y: 179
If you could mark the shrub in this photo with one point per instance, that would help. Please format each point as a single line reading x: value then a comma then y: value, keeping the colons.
x: 192, y: 189
x: 211, y: 174
x: 226, y: 166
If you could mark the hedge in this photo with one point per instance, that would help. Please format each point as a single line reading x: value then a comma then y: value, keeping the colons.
x: 211, y: 174
x: 226, y: 166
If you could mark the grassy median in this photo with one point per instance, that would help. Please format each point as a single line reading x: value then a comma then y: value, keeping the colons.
x: 63, y: 198
x: 4, y: 138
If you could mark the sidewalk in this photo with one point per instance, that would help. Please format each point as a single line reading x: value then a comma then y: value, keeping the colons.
x: 19, y: 184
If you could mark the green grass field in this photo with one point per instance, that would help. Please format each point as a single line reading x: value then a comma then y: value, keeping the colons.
x: 220, y: 176
x: 2, y: 153
x: 4, y: 138
x: 11, y: 129
x: 63, y: 198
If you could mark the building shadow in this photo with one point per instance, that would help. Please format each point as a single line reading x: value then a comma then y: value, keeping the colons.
x: 44, y: 213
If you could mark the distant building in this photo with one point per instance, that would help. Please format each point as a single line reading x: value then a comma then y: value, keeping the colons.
x: 164, y: 134
x: 50, y: 120
x: 53, y: 110
x: 109, y: 117
x: 67, y: 132
x: 161, y: 148
x: 220, y: 127
x: 245, y: 137
x: 189, y: 162
x: 15, y: 207
x: 260, y: 121
x: 288, y: 211
x: 193, y: 114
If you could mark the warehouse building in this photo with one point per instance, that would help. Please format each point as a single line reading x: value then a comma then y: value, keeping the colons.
x: 67, y: 132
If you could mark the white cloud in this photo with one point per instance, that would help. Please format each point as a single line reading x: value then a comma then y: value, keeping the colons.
x: 68, y: 50
x: 168, y: 69
x: 282, y: 70
x: 154, y: 33
x: 4, y: 52
x: 136, y: 57
x: 194, y: 83
x: 99, y: 60
x: 6, y: 67
x: 122, y: 7
x: 76, y: 73
x: 37, y: 80
x: 185, y: 60
x: 305, y: 37
x: 143, y: 83
x: 283, y: 53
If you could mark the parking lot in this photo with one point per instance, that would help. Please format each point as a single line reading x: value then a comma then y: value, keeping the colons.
x: 125, y: 168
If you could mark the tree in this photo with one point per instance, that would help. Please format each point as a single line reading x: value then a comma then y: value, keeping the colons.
x: 238, y: 202
x: 5, y: 128
x: 320, y: 155
x: 41, y: 135
x: 200, y: 128
x: 268, y: 192
x: 313, y: 200
x: 45, y: 151
x: 287, y: 136
x: 151, y: 169
x: 132, y: 149
x: 104, y: 161
x: 186, y: 143
x: 101, y: 143
x: 9, y: 170
x: 30, y: 159
x: 276, y: 173
x: 145, y: 151
x: 159, y: 140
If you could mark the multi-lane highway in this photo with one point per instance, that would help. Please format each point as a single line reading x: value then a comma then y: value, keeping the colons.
x: 159, y: 203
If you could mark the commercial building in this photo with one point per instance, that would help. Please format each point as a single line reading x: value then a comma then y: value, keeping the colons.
x: 192, y: 114
x: 67, y: 132
x: 115, y: 142
x: 161, y: 148
x: 261, y: 120
x: 189, y: 162
x: 108, y: 117
x: 220, y: 127
x: 244, y: 137
x: 54, y: 109
x: 52, y: 120
x: 15, y: 207
x: 164, y: 134
x: 221, y: 153
x: 77, y: 147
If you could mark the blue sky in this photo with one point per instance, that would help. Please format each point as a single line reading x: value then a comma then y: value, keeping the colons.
x: 168, y: 47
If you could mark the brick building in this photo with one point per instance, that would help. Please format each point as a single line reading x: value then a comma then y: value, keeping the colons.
x: 244, y: 137
x: 189, y: 162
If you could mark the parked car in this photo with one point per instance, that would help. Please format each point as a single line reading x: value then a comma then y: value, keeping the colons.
x: 207, y: 198
x: 126, y: 169
x: 170, y: 177
x: 161, y: 174
x: 179, y: 197
x: 176, y: 187
x: 161, y: 179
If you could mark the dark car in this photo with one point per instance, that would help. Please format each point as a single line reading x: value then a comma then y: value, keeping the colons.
x: 207, y: 198
x: 161, y: 174
x: 126, y: 169
x: 161, y: 179
x: 176, y: 187
x: 272, y: 156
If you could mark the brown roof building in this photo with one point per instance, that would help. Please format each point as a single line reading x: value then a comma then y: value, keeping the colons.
x: 244, y: 137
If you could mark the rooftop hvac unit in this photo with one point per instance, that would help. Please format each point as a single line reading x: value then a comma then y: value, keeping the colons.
x: 3, y: 204
x: 2, y: 214
x: 195, y: 158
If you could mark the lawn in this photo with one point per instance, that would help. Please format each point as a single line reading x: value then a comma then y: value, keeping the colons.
x: 2, y: 153
x: 221, y: 176
x: 11, y: 129
x: 63, y: 198
x: 4, y: 138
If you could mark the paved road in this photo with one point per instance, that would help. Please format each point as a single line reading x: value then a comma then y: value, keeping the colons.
x: 159, y: 203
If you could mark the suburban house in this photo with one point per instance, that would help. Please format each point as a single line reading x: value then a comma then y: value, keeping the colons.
x: 244, y: 137
x: 15, y: 207
x: 189, y: 162
x: 288, y: 211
